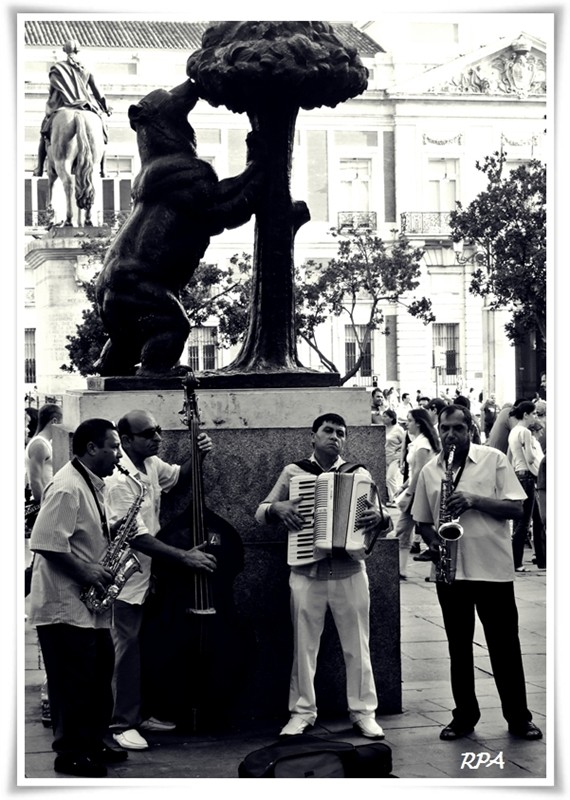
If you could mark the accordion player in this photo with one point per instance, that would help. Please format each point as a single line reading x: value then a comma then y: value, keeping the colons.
x: 331, y: 504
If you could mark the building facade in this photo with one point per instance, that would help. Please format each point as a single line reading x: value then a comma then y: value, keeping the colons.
x: 398, y: 157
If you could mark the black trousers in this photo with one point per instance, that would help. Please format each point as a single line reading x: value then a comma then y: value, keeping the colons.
x: 79, y: 668
x: 496, y: 608
x: 521, y: 527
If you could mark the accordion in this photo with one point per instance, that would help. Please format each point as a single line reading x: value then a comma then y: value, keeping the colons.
x: 331, y: 504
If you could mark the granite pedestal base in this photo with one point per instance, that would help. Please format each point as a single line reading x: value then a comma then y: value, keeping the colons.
x: 238, y: 474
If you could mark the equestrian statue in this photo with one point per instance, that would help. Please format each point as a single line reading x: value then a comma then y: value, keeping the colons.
x: 73, y: 133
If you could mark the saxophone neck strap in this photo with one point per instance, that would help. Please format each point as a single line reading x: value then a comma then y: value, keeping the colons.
x: 76, y: 463
x: 459, y: 474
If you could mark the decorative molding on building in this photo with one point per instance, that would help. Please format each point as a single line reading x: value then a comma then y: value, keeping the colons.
x: 515, y: 71
x: 531, y: 141
x: 29, y: 296
x: 430, y: 139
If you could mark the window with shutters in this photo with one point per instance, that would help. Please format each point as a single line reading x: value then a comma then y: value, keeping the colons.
x: 202, y: 348
x: 352, y: 350
x: 446, y: 350
x: 30, y: 355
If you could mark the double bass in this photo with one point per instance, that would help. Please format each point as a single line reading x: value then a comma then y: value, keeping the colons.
x: 192, y: 629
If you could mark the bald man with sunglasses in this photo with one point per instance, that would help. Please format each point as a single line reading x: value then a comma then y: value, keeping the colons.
x: 140, y: 441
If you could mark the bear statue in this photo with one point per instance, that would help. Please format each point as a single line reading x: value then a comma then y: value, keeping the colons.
x: 178, y: 203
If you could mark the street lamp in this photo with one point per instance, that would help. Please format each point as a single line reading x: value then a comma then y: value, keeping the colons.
x: 475, y: 258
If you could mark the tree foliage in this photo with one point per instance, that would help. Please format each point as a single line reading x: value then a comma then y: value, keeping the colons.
x: 244, y: 65
x: 366, y: 272
x: 506, y: 226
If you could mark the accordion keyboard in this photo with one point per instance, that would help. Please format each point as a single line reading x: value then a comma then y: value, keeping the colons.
x: 300, y: 548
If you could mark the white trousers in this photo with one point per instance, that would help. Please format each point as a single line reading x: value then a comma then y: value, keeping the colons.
x: 349, y: 602
x: 394, y: 479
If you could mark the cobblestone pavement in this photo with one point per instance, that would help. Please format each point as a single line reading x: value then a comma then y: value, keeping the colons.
x: 413, y: 735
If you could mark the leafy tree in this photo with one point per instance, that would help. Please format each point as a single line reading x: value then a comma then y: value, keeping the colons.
x: 365, y: 268
x: 506, y: 225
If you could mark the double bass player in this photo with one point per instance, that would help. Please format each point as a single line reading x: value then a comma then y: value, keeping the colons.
x: 140, y: 437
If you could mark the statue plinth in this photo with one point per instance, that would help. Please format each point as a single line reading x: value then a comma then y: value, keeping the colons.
x: 301, y: 379
x: 133, y: 383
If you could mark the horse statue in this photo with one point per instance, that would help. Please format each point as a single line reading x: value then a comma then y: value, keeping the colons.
x: 75, y: 150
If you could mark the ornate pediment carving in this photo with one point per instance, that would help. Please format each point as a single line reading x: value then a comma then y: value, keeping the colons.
x: 517, y: 70
x: 500, y: 70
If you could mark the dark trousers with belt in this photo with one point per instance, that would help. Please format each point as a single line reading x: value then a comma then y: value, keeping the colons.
x: 79, y: 668
x: 521, y: 526
x: 496, y: 608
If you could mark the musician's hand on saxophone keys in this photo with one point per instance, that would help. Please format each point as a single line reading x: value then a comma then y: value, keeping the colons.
x: 97, y: 576
x: 115, y: 527
x: 459, y: 502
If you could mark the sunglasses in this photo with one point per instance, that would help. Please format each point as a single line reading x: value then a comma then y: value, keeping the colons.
x: 148, y: 433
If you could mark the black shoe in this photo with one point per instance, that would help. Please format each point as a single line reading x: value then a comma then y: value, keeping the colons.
x: 527, y: 730
x: 82, y: 766
x: 415, y: 548
x: 110, y: 755
x: 425, y: 556
x: 455, y: 731
x: 403, y: 578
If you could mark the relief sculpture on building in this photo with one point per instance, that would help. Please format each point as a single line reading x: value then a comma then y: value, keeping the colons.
x: 514, y: 71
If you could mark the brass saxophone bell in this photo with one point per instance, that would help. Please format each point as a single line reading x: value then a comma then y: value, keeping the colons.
x: 450, y: 531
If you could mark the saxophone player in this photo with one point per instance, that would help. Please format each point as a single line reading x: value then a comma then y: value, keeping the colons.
x: 69, y: 538
x: 485, y: 494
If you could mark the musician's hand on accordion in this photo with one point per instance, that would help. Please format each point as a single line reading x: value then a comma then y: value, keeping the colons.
x: 288, y: 512
x: 374, y: 517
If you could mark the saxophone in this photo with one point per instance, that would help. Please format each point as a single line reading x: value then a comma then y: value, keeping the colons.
x: 449, y: 530
x: 118, y: 558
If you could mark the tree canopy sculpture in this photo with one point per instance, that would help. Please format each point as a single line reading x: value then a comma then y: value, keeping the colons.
x: 270, y: 70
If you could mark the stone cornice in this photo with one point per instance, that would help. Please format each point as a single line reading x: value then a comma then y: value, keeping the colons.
x: 62, y: 246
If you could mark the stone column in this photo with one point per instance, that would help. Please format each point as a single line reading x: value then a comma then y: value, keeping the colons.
x: 59, y: 300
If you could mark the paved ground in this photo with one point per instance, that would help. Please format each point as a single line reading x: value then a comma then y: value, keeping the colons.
x: 413, y: 735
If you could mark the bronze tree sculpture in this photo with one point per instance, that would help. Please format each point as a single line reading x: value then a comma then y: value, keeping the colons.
x: 270, y: 70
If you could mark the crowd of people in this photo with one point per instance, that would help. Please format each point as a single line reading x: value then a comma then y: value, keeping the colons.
x: 92, y: 657
x: 517, y: 429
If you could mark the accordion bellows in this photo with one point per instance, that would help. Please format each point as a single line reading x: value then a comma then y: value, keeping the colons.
x: 331, y: 505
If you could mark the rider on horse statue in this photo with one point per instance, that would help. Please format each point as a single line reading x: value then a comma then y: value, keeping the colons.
x: 70, y: 83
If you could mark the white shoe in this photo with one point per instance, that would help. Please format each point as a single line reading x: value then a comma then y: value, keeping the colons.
x: 295, y: 726
x: 153, y: 724
x: 130, y: 740
x: 368, y: 727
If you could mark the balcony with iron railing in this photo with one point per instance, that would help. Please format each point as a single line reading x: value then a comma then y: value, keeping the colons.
x: 425, y: 223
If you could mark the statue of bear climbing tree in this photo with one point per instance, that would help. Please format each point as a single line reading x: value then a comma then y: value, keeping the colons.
x: 270, y: 70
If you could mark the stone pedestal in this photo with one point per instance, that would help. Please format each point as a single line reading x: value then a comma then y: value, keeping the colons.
x: 60, y: 270
x: 255, y: 433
